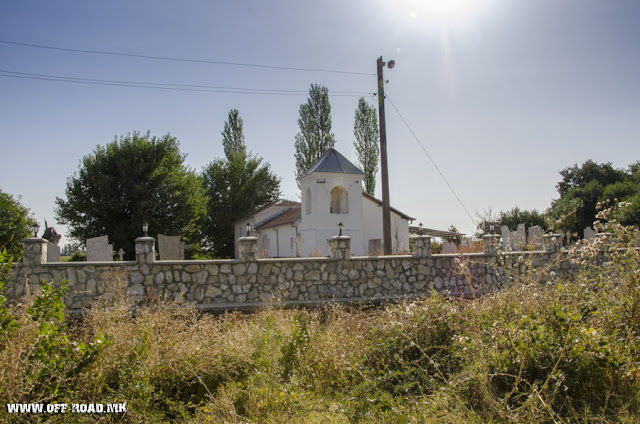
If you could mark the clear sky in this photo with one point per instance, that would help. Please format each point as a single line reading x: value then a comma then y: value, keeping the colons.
x: 503, y: 94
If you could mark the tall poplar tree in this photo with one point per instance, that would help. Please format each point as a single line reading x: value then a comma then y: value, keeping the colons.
x: 315, y: 136
x: 233, y: 135
x: 365, y: 130
x: 236, y: 186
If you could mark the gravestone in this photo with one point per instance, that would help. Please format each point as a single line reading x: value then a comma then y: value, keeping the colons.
x: 449, y: 247
x: 99, y: 249
x: 53, y: 252
x: 170, y: 248
x: 589, y: 233
x: 520, y: 238
x: 535, y: 237
x: 507, y: 238
x: 121, y: 254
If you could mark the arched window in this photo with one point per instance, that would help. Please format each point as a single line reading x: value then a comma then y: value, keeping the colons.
x: 308, y: 202
x: 339, y: 200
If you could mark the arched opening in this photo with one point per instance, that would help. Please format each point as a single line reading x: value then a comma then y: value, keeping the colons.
x: 307, y: 201
x: 339, y: 200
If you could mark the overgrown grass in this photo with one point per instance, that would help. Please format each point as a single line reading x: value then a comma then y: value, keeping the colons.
x: 537, y: 352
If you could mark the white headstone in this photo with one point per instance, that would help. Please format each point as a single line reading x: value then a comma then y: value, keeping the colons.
x: 53, y: 252
x: 169, y: 248
x: 520, y: 238
x: 449, y: 247
x: 589, y: 233
x: 507, y: 238
x: 99, y: 249
x: 535, y: 237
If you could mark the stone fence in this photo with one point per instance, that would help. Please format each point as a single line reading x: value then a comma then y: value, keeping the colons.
x: 249, y: 282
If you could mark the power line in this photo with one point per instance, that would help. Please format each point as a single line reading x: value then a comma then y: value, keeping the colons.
x: 167, y: 86
x: 432, y: 161
x: 176, y: 59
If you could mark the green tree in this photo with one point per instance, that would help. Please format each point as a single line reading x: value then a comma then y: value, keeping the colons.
x: 236, y: 186
x: 133, y: 179
x: 315, y: 136
x: 15, y: 225
x: 365, y: 130
x: 582, y: 187
x: 233, y: 135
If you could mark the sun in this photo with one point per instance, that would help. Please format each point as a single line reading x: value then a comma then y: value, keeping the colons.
x: 443, y: 12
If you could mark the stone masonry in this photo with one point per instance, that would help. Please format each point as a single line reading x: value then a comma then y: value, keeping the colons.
x: 251, y: 282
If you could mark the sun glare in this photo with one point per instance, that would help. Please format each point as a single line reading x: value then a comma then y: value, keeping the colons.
x: 443, y: 12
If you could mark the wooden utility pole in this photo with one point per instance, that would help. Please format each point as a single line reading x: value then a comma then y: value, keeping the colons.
x: 384, y: 173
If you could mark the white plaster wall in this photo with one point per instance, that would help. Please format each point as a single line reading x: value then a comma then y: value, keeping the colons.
x: 261, y: 217
x: 372, y: 218
x: 320, y: 225
x: 279, y: 241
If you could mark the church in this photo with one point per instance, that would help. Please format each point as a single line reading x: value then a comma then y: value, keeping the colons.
x: 332, y: 201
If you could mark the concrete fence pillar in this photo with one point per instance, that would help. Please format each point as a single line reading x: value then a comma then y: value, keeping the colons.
x: 35, y: 251
x: 248, y: 249
x: 490, y: 243
x: 145, y: 250
x: 421, y: 247
x: 340, y: 247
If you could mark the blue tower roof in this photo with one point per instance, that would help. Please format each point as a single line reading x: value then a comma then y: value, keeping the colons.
x: 334, y: 162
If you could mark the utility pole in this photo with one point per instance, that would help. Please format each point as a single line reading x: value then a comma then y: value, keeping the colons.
x: 384, y: 173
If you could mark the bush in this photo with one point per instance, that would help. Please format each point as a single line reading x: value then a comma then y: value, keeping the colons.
x: 545, y: 349
x: 78, y: 256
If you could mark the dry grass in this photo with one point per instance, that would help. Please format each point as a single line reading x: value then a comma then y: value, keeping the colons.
x: 544, y: 350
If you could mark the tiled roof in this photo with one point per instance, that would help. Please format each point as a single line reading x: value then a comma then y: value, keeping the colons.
x: 379, y: 202
x: 288, y: 217
x: 334, y: 162
x: 414, y: 229
x: 279, y: 202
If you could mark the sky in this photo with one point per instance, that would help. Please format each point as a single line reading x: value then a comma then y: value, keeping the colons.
x: 497, y: 96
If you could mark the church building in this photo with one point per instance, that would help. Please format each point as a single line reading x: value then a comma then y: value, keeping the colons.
x: 331, y: 196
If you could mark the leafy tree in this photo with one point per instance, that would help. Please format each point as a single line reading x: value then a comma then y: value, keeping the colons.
x: 133, y: 179
x: 511, y: 218
x: 15, y: 225
x: 233, y: 135
x: 578, y: 177
x: 236, y: 186
x: 581, y: 188
x: 365, y: 130
x: 454, y: 239
x: 315, y: 136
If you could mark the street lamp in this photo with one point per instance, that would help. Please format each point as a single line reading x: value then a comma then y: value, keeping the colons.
x: 248, y: 227
x: 340, y: 227
x: 36, y: 227
x: 145, y: 228
x: 420, y: 228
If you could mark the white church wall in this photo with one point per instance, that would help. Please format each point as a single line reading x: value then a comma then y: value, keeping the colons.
x: 372, y: 218
x: 255, y: 220
x: 277, y: 241
x: 320, y: 225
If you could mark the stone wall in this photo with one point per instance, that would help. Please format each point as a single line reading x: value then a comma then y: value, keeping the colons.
x: 250, y: 282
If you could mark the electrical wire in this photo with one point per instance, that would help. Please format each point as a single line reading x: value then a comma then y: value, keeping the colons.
x: 168, y: 86
x: 176, y: 59
x: 432, y: 161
